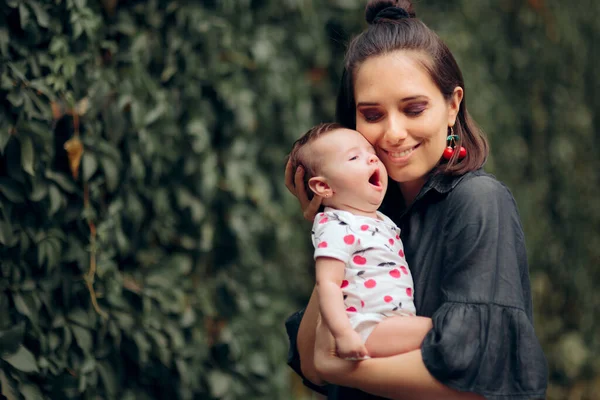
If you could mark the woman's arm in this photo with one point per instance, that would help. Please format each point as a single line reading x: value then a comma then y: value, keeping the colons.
x: 306, y: 340
x: 401, y: 377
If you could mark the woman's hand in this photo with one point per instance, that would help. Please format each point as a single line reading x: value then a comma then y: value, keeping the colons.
x: 295, y: 184
x: 328, y: 365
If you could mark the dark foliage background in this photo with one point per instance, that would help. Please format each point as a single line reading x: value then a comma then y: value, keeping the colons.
x: 160, y: 254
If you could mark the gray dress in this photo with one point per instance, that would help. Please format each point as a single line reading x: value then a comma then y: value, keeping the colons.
x: 465, y: 247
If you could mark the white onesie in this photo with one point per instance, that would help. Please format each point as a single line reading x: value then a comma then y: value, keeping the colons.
x: 377, y: 283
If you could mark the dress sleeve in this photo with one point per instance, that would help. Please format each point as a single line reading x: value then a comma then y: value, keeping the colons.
x: 483, y: 339
x: 292, y: 324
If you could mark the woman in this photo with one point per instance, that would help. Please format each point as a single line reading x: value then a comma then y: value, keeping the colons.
x: 404, y: 92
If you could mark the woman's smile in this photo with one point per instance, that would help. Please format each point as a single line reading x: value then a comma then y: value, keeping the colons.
x: 400, y: 155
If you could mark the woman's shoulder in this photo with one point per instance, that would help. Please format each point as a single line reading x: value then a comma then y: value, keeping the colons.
x: 481, y: 195
x: 480, y: 187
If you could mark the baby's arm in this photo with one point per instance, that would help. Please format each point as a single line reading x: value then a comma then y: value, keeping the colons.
x: 330, y: 273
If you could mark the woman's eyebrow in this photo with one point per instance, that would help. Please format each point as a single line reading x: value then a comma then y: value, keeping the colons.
x: 403, y: 100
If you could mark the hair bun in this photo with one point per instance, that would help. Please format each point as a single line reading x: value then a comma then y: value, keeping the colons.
x: 398, y: 9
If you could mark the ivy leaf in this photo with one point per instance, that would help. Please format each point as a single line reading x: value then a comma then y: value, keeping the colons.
x: 23, y: 15
x: 4, y: 40
x: 111, y: 173
x: 90, y: 165
x: 62, y: 180
x: 41, y: 15
x: 11, y: 339
x: 31, y: 392
x: 83, y: 337
x: 6, y: 233
x: 109, y: 378
x: 56, y: 200
x: 23, y: 360
x: 11, y: 190
x: 8, y: 386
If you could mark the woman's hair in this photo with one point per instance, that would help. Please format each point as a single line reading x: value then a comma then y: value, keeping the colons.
x: 393, y: 26
x: 299, y: 156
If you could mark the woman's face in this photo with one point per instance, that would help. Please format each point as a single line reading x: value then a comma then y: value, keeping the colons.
x: 404, y: 115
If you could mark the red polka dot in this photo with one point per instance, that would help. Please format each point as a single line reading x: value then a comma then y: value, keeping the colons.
x: 401, y: 253
x: 351, y: 309
x: 322, y: 245
x: 364, y: 227
x: 370, y: 284
x: 349, y: 239
x: 323, y: 220
x: 409, y: 292
x: 344, y: 284
x: 362, y: 303
x: 397, y: 237
x: 391, y: 241
x: 360, y: 260
x: 387, y: 299
x: 395, y: 273
x: 404, y: 270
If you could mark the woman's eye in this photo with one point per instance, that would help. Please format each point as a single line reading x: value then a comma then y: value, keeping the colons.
x: 371, y: 116
x: 414, y: 111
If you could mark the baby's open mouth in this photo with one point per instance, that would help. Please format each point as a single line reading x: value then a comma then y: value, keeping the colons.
x: 374, y: 179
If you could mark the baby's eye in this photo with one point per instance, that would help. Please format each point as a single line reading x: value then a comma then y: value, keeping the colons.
x: 353, y: 158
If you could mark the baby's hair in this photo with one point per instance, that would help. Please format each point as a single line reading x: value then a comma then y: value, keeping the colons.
x: 300, y: 157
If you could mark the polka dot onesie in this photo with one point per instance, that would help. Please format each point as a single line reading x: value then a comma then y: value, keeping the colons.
x: 377, y: 282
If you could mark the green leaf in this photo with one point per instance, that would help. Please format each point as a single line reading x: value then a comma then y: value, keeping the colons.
x: 39, y: 189
x: 109, y: 378
x: 16, y: 98
x: 81, y: 318
x: 62, y: 180
x: 4, y: 40
x: 40, y: 14
x: 8, y: 386
x: 31, y: 392
x: 6, y: 233
x: 90, y: 165
x: 111, y: 173
x: 23, y: 360
x: 23, y: 15
x: 11, y: 190
x: 4, y: 138
x: 25, y: 306
x: 27, y: 156
x: 218, y: 382
x: 83, y: 337
x: 11, y: 339
x: 56, y: 200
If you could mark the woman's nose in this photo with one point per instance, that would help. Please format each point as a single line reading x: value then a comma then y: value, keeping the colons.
x: 395, y: 131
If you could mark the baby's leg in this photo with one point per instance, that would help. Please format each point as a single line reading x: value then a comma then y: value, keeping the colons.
x: 396, y: 335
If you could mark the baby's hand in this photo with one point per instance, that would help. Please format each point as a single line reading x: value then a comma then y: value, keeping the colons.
x: 350, y: 346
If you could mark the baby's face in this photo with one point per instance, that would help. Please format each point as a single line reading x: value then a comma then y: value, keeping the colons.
x: 350, y: 167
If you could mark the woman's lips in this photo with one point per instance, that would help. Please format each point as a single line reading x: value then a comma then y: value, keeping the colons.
x: 401, y: 155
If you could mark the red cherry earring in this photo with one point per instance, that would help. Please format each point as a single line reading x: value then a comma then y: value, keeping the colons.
x: 451, y: 144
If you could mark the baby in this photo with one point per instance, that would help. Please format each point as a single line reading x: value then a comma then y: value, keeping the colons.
x: 364, y: 286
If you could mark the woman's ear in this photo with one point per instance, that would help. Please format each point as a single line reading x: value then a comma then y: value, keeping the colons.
x: 454, y: 104
x: 320, y: 187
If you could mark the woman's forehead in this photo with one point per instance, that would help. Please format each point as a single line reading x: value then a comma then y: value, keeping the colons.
x: 400, y: 74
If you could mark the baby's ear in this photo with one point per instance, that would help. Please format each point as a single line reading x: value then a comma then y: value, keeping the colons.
x: 319, y: 186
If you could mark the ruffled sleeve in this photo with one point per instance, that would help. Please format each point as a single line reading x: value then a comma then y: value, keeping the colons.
x: 483, y: 338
